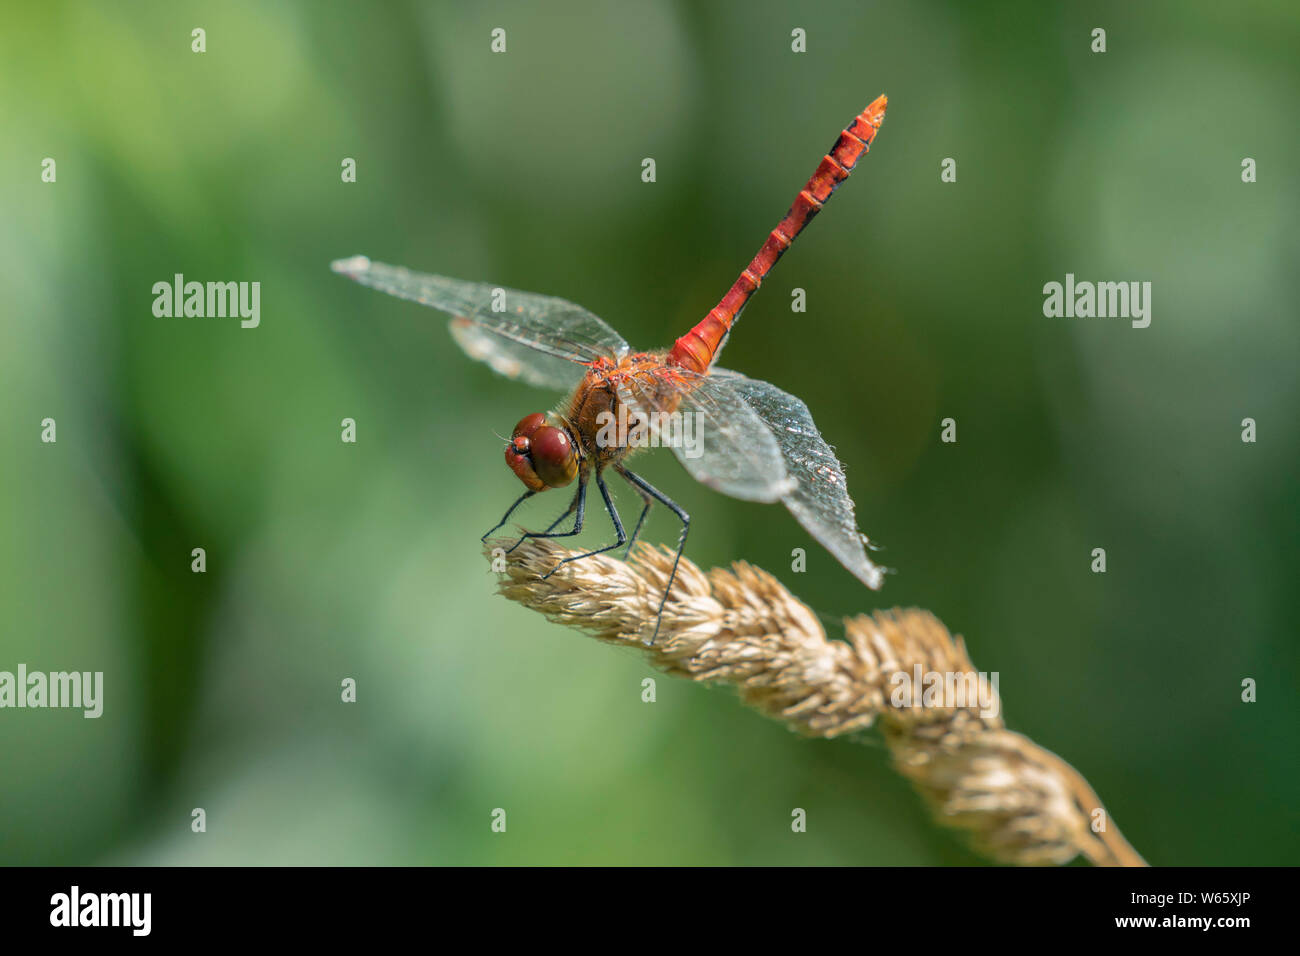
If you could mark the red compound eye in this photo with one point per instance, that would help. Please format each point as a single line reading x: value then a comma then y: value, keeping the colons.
x: 542, y: 456
x: 554, y: 458
x: 529, y: 424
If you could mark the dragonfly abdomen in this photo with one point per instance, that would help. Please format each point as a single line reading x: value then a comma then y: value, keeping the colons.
x: 697, y: 348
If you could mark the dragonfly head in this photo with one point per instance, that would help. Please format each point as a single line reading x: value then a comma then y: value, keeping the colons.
x: 541, y: 454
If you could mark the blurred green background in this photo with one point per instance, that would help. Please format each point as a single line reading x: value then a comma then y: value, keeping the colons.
x: 328, y: 560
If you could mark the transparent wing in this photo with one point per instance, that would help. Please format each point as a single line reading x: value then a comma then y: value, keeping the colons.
x: 513, y: 360
x: 712, y: 430
x: 820, y: 500
x: 540, y: 323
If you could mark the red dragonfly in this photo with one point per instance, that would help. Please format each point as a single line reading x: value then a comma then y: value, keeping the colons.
x: 755, y: 442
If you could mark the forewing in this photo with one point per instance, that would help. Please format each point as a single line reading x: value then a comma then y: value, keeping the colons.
x: 527, y: 321
x: 513, y: 360
x: 719, y: 439
x: 820, y: 499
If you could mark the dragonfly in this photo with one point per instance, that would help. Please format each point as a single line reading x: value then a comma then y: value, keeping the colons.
x: 740, y: 436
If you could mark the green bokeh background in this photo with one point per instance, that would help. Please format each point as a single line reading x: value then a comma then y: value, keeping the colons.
x: 328, y: 560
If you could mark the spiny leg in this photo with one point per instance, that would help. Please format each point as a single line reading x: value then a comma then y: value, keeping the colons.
x: 580, y: 500
x: 636, y: 533
x: 506, y: 517
x: 573, y: 504
x: 642, y: 485
x: 618, y: 529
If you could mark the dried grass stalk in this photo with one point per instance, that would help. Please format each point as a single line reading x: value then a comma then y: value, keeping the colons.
x: 1017, y: 802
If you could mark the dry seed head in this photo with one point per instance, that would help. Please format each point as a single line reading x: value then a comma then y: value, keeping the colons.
x: 1018, y: 802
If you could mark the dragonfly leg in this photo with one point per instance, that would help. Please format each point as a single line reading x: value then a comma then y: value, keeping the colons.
x: 636, y: 532
x: 644, y: 486
x: 579, y: 503
x: 573, y: 505
x: 506, y: 517
x: 618, y: 530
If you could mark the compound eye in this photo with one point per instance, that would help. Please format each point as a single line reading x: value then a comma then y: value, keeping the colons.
x: 553, y: 456
x: 529, y: 424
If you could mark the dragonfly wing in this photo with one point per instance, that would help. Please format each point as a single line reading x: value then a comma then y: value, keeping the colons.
x: 820, y: 500
x: 712, y: 430
x: 513, y: 360
x: 540, y: 323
